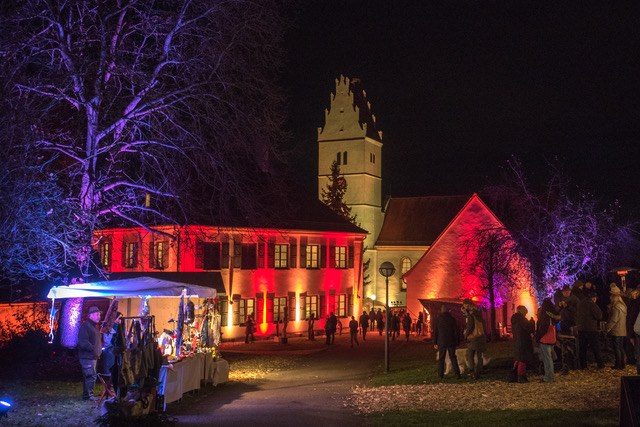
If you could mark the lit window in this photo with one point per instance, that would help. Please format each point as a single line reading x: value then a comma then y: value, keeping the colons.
x: 159, y: 255
x: 405, y: 265
x: 281, y: 256
x: 132, y: 255
x: 105, y: 255
x: 341, y: 309
x: 312, y: 256
x: 279, y: 308
x: 341, y: 257
x: 224, y: 310
x: 311, y: 306
x: 241, y: 309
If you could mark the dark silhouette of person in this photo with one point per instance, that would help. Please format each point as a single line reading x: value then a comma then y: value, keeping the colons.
x: 249, y: 327
x: 446, y: 339
x: 364, y: 324
x: 312, y: 320
x: 353, y: 330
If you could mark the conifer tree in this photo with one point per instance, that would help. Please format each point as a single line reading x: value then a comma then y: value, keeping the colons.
x: 333, y: 194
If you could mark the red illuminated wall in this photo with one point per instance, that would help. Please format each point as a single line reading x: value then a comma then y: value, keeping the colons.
x: 438, y: 274
x: 248, y: 283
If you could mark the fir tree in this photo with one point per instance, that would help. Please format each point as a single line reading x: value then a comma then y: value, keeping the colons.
x: 333, y: 195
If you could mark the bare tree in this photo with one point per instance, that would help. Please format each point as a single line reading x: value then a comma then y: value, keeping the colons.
x: 138, y: 100
x: 490, y: 256
x: 561, y: 230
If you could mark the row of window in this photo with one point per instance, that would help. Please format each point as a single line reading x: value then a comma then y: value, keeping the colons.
x: 277, y: 307
x: 341, y: 158
x: 215, y: 255
x: 344, y: 158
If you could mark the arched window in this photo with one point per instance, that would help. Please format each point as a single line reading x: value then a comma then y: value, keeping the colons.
x: 405, y: 265
x: 344, y: 158
x: 338, y: 158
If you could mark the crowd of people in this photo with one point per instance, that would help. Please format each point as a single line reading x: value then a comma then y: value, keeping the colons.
x: 573, y: 318
x: 569, y: 325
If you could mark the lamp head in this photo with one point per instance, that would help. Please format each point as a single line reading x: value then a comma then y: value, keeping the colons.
x: 387, y: 269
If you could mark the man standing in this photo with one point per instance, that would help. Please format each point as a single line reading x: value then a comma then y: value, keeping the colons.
x: 589, y: 314
x: 446, y: 339
x: 364, y: 324
x: 568, y: 307
x: 475, y: 336
x: 89, y: 350
x: 353, y: 330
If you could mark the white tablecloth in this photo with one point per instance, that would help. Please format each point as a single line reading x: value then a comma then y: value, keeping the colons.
x: 188, y: 373
x: 216, y: 371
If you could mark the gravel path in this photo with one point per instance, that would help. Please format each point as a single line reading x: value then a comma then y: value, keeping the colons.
x: 291, y: 385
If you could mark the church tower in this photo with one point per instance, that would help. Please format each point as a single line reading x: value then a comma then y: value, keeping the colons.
x: 350, y: 137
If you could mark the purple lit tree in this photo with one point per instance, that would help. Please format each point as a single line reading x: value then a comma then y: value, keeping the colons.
x: 559, y: 229
x: 126, y: 101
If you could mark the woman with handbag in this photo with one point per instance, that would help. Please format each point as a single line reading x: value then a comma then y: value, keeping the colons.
x: 546, y: 336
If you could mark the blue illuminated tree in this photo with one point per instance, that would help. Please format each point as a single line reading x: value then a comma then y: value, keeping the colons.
x: 559, y: 229
x: 131, y: 100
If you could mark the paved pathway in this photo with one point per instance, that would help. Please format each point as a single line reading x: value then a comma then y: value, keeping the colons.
x: 311, y: 394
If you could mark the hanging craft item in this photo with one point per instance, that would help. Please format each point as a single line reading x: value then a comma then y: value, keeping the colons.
x: 189, y: 312
x: 180, y: 327
x: 110, y: 317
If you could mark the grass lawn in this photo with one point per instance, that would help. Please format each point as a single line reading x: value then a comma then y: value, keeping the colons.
x: 415, y: 364
x: 46, y: 403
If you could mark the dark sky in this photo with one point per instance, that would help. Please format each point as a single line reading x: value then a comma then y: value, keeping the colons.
x: 459, y: 86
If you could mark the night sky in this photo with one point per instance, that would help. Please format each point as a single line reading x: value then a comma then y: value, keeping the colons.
x: 458, y: 87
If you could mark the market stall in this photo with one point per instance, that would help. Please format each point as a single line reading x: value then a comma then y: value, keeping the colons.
x: 183, y: 312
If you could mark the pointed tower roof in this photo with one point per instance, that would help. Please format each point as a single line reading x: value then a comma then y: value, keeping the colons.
x: 349, y: 115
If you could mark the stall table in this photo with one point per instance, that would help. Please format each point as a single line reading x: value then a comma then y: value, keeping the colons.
x: 187, y: 374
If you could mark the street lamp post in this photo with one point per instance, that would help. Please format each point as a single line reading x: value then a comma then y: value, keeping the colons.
x: 373, y: 298
x: 386, y: 269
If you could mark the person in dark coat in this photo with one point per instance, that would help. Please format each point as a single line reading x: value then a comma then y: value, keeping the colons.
x: 406, y: 324
x: 522, y: 343
x: 475, y: 336
x: 248, y: 329
x: 89, y: 350
x: 364, y: 324
x: 589, y: 314
x: 380, y: 321
x: 446, y: 339
x: 419, y: 323
x: 568, y: 308
x: 353, y: 330
x: 372, y: 318
x: 312, y: 320
x: 108, y: 355
x: 633, y: 308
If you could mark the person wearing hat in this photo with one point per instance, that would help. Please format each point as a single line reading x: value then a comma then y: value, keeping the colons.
x: 89, y: 350
x: 446, y: 339
x: 617, y: 325
x: 589, y: 314
x: 568, y: 308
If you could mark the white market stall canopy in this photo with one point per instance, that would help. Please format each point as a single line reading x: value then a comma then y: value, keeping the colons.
x: 131, y: 288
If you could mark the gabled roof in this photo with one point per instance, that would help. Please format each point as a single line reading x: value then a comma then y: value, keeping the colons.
x: 418, y: 221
